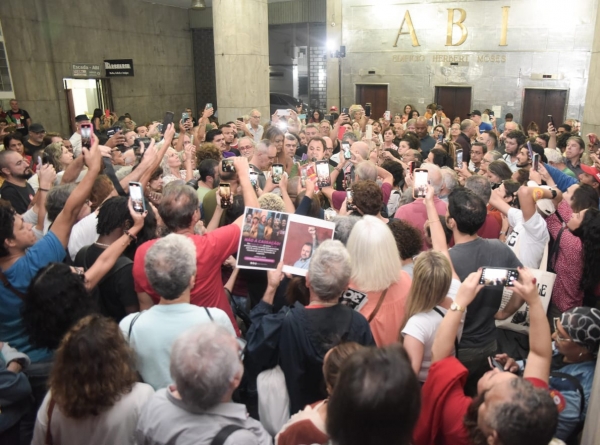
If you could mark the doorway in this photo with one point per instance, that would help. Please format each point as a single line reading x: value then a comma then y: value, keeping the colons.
x: 539, y: 103
x: 376, y: 95
x: 455, y: 100
x: 85, y: 95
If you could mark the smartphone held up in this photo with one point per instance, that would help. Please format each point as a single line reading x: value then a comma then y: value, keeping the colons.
x: 225, y: 195
x: 137, y: 197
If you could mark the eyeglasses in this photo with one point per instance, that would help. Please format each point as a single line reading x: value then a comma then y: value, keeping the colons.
x: 246, y: 147
x: 558, y: 336
x: 255, y: 117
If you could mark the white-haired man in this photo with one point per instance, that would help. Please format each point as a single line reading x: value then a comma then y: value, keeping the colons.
x: 206, y: 366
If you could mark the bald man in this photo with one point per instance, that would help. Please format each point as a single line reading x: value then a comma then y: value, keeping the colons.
x: 415, y: 213
x: 468, y: 131
x: 427, y: 142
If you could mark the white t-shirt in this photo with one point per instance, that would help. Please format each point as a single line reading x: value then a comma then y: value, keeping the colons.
x: 83, y: 234
x: 423, y: 327
x: 527, y: 239
x: 155, y: 331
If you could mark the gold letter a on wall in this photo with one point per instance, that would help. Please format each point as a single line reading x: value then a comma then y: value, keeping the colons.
x: 411, y: 30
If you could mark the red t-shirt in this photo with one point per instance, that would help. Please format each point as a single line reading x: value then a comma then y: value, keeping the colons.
x: 444, y: 405
x: 212, y: 250
x: 490, y: 228
x: 338, y: 196
x: 415, y: 214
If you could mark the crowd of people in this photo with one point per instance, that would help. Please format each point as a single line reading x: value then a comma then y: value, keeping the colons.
x: 458, y: 302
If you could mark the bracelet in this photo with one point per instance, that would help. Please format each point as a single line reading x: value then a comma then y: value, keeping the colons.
x: 131, y: 236
x: 502, y: 233
x: 434, y: 221
x: 43, y: 190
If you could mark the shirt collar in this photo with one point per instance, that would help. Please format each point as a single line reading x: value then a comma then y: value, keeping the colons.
x: 230, y: 409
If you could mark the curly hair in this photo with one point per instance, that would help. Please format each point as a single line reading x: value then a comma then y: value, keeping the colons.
x: 113, y: 214
x: 208, y: 150
x: 7, y: 225
x: 590, y: 238
x: 368, y: 197
x: 395, y: 168
x: 101, y: 189
x: 409, y: 239
x: 270, y: 201
x: 93, y: 368
x: 45, y: 321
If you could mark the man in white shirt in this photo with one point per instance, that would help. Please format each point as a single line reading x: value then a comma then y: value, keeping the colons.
x: 253, y: 128
x: 513, y: 141
x: 170, y: 265
x: 76, y: 137
x: 529, y: 235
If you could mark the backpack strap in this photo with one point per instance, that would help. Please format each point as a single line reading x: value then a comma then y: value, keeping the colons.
x: 553, y: 255
x: 224, y: 434
x: 439, y: 311
x: 10, y: 287
x: 575, y: 382
x: 131, y: 325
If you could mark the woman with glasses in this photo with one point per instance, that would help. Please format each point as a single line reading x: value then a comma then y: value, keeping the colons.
x: 576, y: 340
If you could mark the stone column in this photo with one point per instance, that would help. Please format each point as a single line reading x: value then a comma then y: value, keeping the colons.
x: 334, y: 40
x: 591, y: 111
x: 241, y: 33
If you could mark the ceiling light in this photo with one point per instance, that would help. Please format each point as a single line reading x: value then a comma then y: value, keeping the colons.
x: 198, y: 5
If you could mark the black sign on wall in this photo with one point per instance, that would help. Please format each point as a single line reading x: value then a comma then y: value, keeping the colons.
x: 120, y: 67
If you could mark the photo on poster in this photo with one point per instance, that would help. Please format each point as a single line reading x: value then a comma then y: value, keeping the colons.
x: 263, y: 235
x: 304, y: 234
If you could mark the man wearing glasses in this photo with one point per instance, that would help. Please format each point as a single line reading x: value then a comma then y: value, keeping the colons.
x: 253, y: 128
x: 35, y: 139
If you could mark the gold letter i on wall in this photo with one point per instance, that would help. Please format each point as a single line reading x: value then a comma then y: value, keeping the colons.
x: 459, y: 23
x: 411, y: 30
x: 504, y: 25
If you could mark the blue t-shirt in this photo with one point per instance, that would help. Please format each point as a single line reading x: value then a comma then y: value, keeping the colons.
x: 484, y: 126
x: 48, y: 250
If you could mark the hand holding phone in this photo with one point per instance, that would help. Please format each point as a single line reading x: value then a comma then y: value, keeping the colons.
x: 497, y: 276
x: 420, y: 183
x: 225, y: 195
x: 459, y: 158
x: 137, y: 198
x: 276, y: 173
x: 536, y: 162
x: 323, y: 178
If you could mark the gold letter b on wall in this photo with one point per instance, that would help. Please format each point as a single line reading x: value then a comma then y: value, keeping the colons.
x: 459, y: 23
x: 411, y: 30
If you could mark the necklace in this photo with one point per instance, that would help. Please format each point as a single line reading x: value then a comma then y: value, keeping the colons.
x: 102, y: 245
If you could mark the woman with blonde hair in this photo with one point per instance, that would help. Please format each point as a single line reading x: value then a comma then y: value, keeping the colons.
x: 94, y: 397
x: 434, y: 286
x: 377, y: 272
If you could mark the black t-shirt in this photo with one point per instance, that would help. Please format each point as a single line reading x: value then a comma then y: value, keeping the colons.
x: 30, y: 149
x: 19, y: 197
x: 19, y: 118
x: 480, y: 326
x: 116, y: 290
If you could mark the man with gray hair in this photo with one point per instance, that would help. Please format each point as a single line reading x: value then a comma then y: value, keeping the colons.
x: 170, y: 266
x: 415, y: 213
x: 449, y: 183
x: 265, y: 154
x: 480, y: 185
x: 297, y: 338
x: 468, y: 130
x: 556, y: 160
x: 206, y: 367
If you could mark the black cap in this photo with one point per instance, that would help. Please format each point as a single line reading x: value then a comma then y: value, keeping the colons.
x: 81, y: 118
x: 439, y: 108
x: 475, y: 113
x: 36, y: 128
x: 508, y: 116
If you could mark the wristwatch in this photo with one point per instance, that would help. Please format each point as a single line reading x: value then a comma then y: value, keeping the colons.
x: 456, y: 307
x: 553, y: 193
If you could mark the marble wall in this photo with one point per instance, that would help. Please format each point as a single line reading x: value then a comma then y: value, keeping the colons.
x: 543, y: 37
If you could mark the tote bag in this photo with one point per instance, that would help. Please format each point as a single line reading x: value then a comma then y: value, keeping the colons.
x: 273, y: 400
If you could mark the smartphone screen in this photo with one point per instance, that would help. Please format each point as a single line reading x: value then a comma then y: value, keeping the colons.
x: 493, y: 276
x: 208, y: 106
x: 254, y: 179
x: 387, y: 116
x: 345, y: 111
x: 227, y: 165
x: 440, y: 138
x: 276, y: 173
x: 225, y: 194
x: 369, y: 132
x: 184, y: 117
x: 167, y: 120
x: 459, y: 158
x: 530, y: 150
x: 536, y: 162
x: 420, y: 183
x: 349, y: 200
x: 368, y: 110
x: 86, y: 135
x: 323, y: 179
x: 137, y: 198
x: 347, y: 152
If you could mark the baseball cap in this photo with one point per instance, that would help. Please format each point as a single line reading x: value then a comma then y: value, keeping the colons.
x: 36, y: 128
x: 440, y: 108
x: 475, y: 113
x: 333, y: 108
x: 593, y: 171
x: 81, y: 118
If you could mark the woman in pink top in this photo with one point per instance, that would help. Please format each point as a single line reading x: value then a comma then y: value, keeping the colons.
x: 377, y: 272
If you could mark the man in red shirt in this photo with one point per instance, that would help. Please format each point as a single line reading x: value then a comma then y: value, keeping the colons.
x: 480, y: 185
x: 508, y: 409
x: 180, y: 212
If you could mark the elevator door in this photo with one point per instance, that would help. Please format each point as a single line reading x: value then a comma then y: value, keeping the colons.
x: 455, y: 100
x: 538, y: 104
x: 376, y: 95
